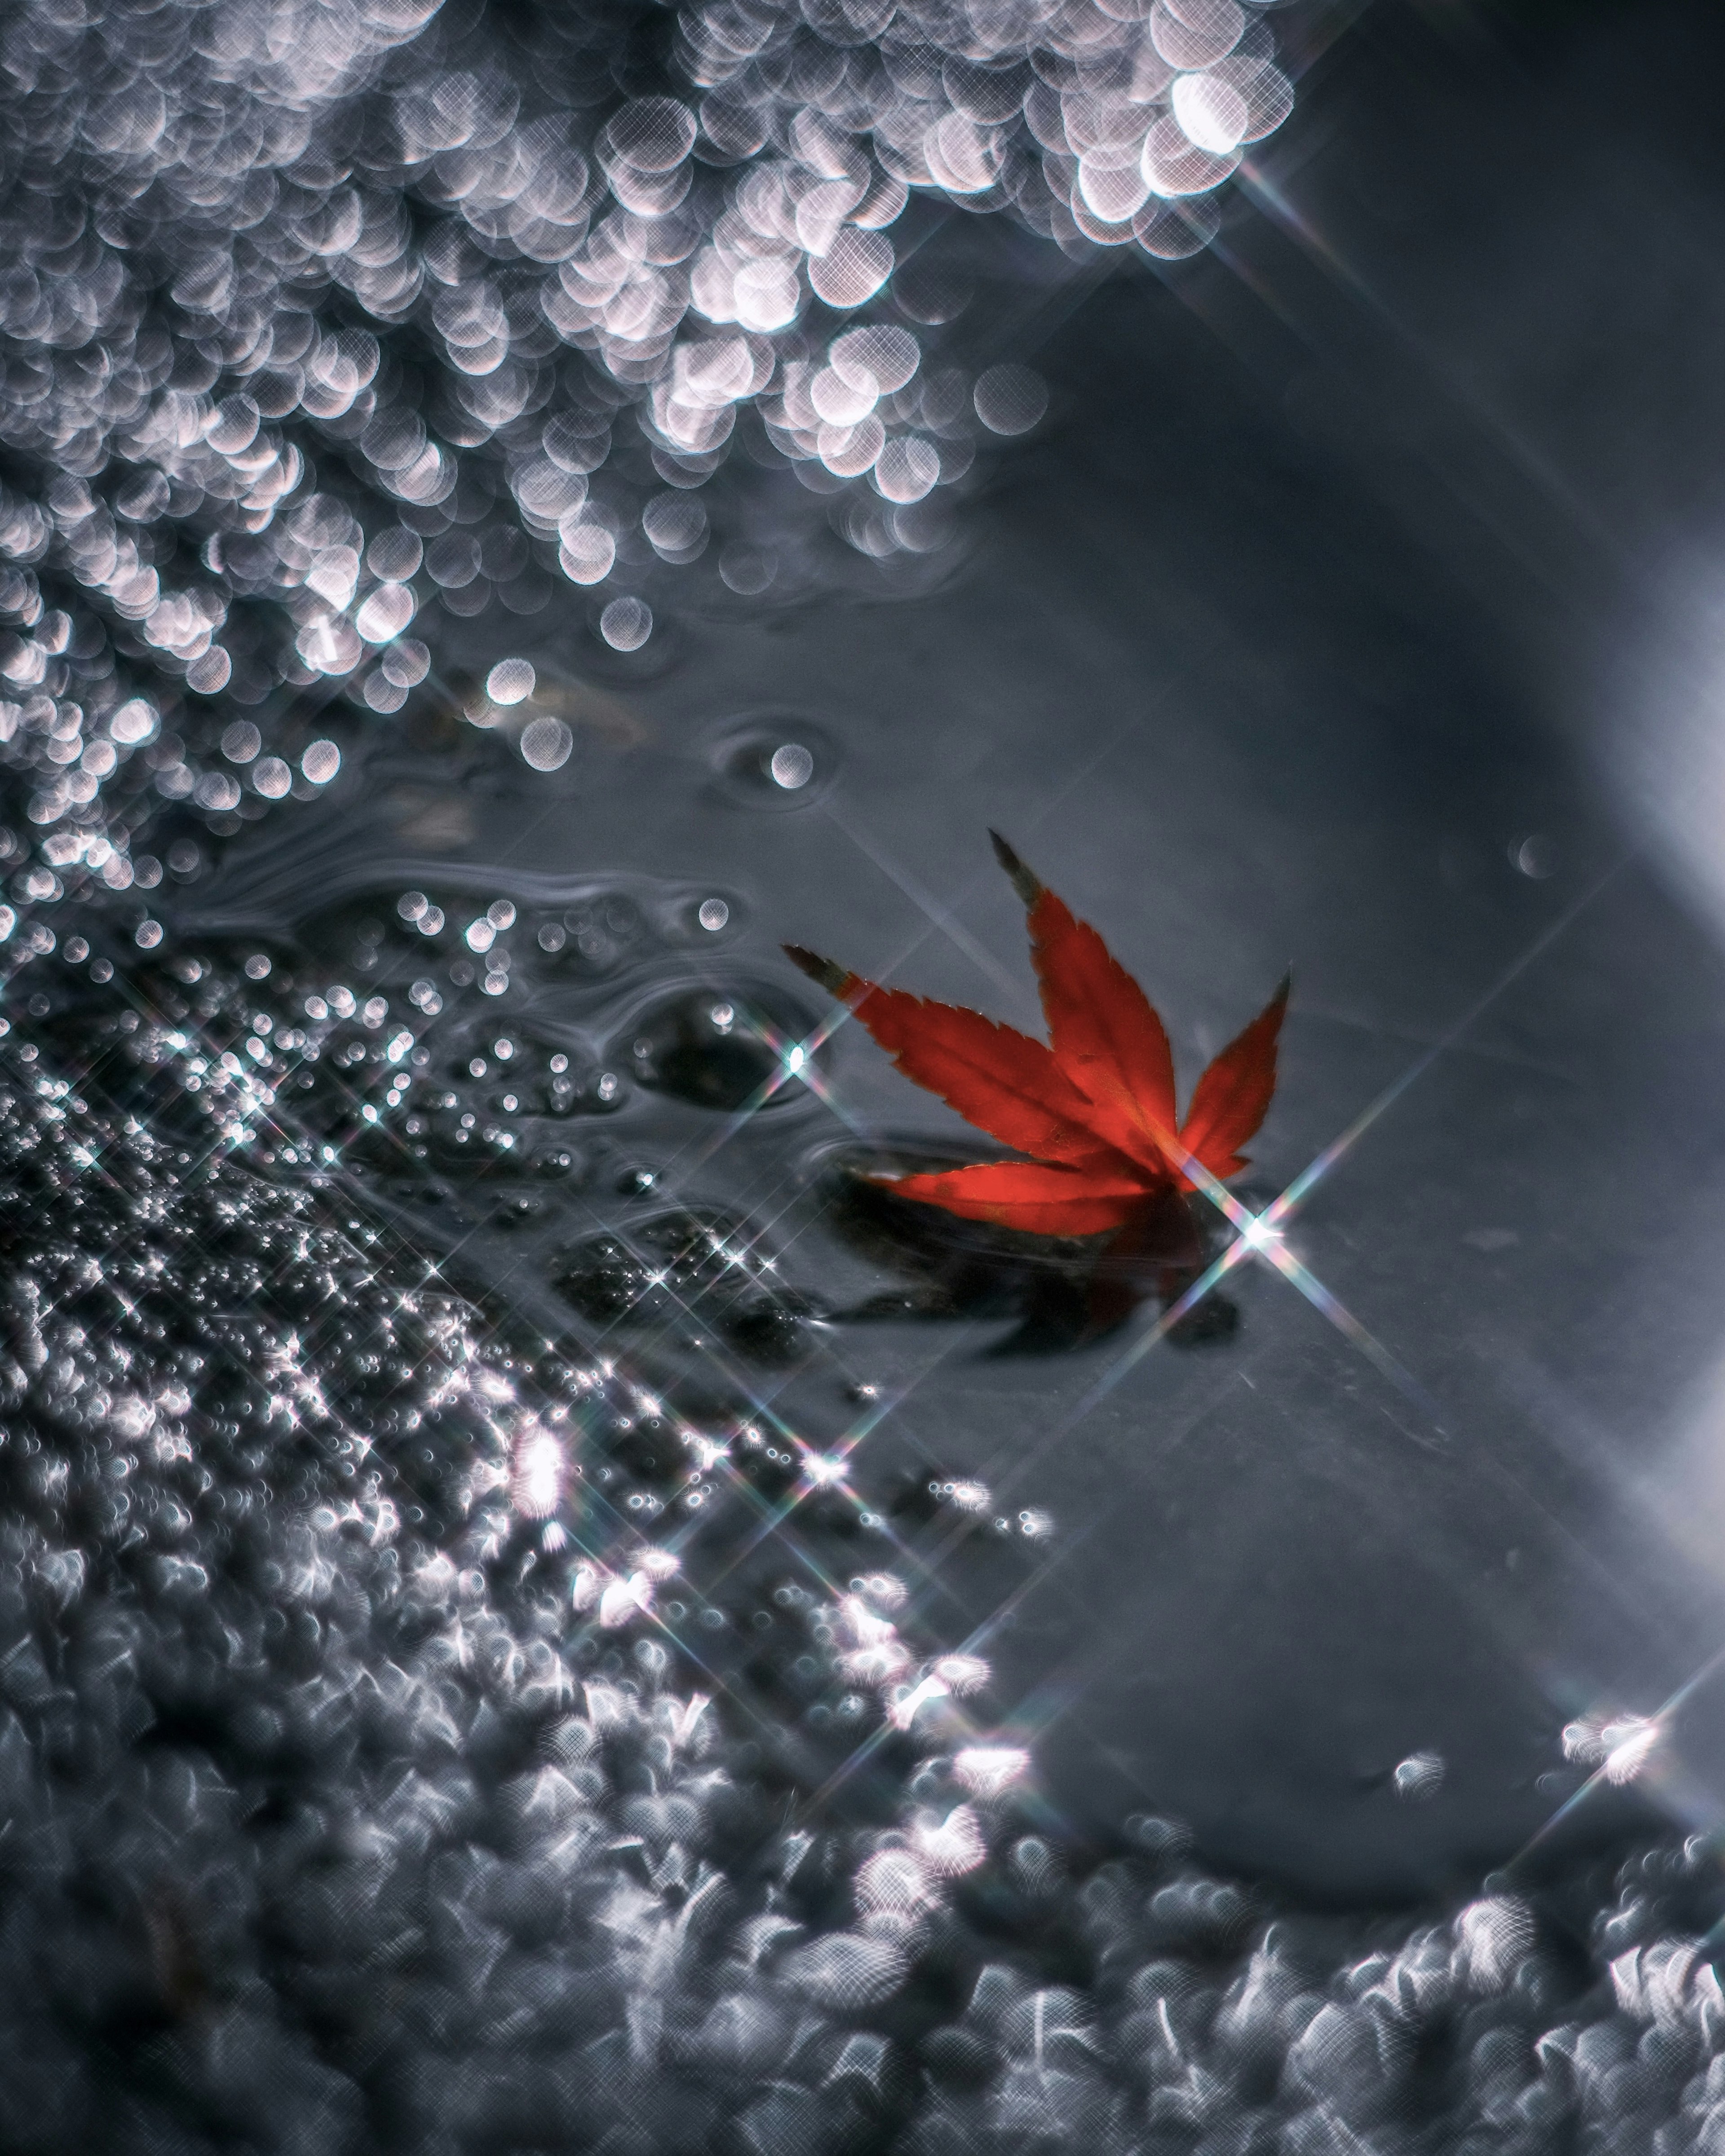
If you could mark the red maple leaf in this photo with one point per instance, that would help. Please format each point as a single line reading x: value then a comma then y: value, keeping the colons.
x: 1095, y: 1110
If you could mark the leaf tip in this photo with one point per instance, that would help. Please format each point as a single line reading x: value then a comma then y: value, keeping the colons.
x: 832, y: 978
x: 1027, y: 886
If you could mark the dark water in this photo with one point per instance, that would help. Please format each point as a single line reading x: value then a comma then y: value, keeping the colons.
x: 539, y: 1609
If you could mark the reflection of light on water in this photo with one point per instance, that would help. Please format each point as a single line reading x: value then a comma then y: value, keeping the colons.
x: 370, y: 324
x: 1419, y: 1777
x: 1619, y: 1747
x: 538, y: 1471
x: 989, y: 1770
x: 626, y: 623
x: 952, y: 1846
x: 546, y: 744
x: 511, y: 680
x: 791, y: 766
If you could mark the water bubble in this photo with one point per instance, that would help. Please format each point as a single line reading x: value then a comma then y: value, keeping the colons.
x: 147, y: 934
x: 1493, y: 1936
x: 853, y: 269
x: 406, y: 663
x: 511, y: 681
x: 241, y: 742
x: 842, y: 400
x: 989, y: 1770
x: 845, y: 1971
x: 767, y: 295
x: 500, y: 913
x: 587, y: 553
x: 395, y: 555
x: 791, y: 766
x: 626, y: 623
x: 1112, y: 193
x: 1267, y: 91
x: 1212, y: 113
x: 745, y: 570
x: 386, y: 613
x: 1173, y: 231
x: 1194, y: 34
x: 1419, y: 1777
x: 453, y: 560
x: 134, y: 721
x: 382, y: 694
x: 1536, y: 857
x: 210, y: 672
x: 932, y: 293
x: 321, y: 762
x: 576, y: 444
x: 649, y: 134
x: 546, y: 744
x: 271, y: 777
x: 713, y: 912
x: 675, y: 526
x: 1174, y: 165
x: 908, y: 468
x: 1010, y: 399
x: 881, y: 358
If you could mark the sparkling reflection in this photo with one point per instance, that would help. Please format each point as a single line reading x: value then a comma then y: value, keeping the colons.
x: 331, y: 316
